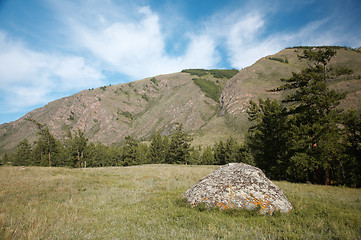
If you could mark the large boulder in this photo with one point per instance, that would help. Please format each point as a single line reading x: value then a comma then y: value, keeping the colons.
x: 238, y: 185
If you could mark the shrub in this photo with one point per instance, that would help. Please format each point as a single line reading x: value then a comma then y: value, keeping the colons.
x: 278, y: 59
x: 217, y: 73
x: 210, y: 89
x: 154, y: 80
x: 145, y: 97
x: 223, y: 73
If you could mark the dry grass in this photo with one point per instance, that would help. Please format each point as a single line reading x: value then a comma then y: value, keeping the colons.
x: 144, y: 202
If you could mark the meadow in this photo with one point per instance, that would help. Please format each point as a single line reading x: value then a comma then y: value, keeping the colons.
x: 145, y: 202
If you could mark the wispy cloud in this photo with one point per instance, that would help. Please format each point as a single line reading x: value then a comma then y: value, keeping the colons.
x: 137, y: 47
x: 242, y: 41
x: 247, y: 33
x: 30, y: 78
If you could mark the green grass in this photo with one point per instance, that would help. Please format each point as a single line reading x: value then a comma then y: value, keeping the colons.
x: 217, y: 73
x: 209, y: 88
x: 145, y: 202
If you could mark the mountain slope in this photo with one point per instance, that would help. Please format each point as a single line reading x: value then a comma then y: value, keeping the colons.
x: 108, y: 114
x: 253, y: 82
x: 141, y: 108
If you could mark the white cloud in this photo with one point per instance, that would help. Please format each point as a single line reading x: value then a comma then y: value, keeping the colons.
x: 200, y: 53
x: 126, y: 46
x: 242, y: 41
x: 74, y: 73
x: 137, y: 47
x: 30, y: 78
x: 247, y: 37
x: 246, y: 42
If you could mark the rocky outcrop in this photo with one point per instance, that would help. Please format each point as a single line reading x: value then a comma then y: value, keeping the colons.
x: 238, y: 185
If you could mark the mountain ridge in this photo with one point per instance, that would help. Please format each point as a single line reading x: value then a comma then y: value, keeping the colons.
x: 141, y: 108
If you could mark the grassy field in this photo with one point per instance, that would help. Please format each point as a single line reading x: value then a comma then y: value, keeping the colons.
x: 145, y: 202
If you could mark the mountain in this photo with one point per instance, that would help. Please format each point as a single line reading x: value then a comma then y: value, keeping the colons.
x: 208, y: 104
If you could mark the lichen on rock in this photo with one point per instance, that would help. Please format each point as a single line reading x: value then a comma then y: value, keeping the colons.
x: 238, y: 185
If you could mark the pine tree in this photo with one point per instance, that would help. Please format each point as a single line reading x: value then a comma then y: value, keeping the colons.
x: 350, y: 166
x: 23, y: 153
x: 164, y: 157
x: 245, y: 154
x: 207, y: 156
x: 96, y: 155
x: 180, y: 147
x: 158, y: 149
x: 115, y: 156
x: 220, y: 153
x: 232, y: 151
x: 267, y: 137
x: 313, y: 132
x: 46, y: 146
x: 5, y: 159
x: 130, y: 151
x: 142, y: 153
x: 76, y: 147
x: 195, y: 156
x: 227, y: 152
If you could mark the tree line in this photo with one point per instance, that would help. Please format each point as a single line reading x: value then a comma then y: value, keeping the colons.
x: 76, y: 151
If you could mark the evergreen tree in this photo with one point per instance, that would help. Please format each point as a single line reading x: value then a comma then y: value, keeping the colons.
x: 23, y: 153
x: 46, y: 147
x: 94, y: 155
x: 227, y: 152
x: 220, y: 153
x: 158, y: 149
x: 142, y: 153
x: 313, y: 132
x: 207, y: 156
x: 5, y: 159
x: 195, y: 156
x: 232, y: 151
x: 115, y: 155
x: 166, y: 149
x: 76, y: 148
x: 350, y: 167
x: 130, y: 151
x: 180, y: 147
x: 37, y: 153
x: 267, y: 137
x: 245, y: 155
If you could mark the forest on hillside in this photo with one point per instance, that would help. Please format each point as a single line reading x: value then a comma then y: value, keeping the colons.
x: 304, y: 138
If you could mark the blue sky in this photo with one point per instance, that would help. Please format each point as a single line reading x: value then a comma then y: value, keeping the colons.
x: 54, y: 48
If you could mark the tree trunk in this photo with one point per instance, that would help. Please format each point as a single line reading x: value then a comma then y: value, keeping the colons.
x: 327, y: 177
x: 319, y: 176
x: 49, y: 159
x: 78, y: 158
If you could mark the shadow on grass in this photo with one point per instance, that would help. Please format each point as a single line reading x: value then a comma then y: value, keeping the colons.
x: 234, y: 212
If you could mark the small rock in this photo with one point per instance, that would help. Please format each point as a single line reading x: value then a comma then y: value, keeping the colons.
x: 238, y: 185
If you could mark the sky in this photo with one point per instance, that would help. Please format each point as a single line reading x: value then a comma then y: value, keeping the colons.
x: 50, y: 49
